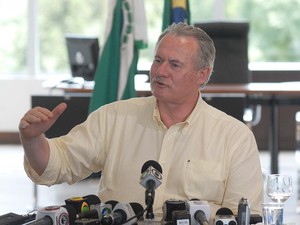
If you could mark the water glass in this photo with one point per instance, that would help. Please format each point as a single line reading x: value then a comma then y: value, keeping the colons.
x: 273, y: 213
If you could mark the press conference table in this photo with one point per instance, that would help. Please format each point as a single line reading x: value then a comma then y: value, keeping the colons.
x: 269, y: 94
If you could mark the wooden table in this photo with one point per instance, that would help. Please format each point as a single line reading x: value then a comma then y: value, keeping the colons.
x: 270, y: 94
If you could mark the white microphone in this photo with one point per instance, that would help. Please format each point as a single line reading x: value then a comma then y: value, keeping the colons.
x: 225, y: 216
x: 200, y: 212
x: 55, y: 215
x: 124, y: 213
x: 150, y: 179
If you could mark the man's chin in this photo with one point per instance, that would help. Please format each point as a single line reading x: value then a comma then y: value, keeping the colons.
x: 161, y: 95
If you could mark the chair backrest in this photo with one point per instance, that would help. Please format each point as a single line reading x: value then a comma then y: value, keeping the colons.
x: 231, y: 42
x: 231, y: 63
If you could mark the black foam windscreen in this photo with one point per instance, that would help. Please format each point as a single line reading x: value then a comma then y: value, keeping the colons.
x: 152, y: 163
x: 92, y: 199
x: 224, y: 211
x: 137, y: 209
x: 72, y: 213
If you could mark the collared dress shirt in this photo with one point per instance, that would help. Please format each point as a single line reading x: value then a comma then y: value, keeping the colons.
x: 210, y: 156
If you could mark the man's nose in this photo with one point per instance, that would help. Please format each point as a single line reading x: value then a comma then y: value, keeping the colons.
x: 162, y: 68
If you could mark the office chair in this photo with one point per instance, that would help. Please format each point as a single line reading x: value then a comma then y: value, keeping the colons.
x: 231, y: 66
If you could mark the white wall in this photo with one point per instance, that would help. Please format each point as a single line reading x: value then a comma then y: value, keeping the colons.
x: 15, y: 100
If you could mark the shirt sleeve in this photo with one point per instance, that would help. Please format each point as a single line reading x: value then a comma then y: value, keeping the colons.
x: 73, y: 157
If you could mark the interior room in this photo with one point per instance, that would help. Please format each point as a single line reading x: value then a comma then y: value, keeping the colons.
x: 256, y: 79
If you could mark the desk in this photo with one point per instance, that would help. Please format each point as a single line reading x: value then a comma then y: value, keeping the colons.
x: 271, y: 94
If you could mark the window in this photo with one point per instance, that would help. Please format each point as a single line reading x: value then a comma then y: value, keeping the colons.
x: 273, y: 33
x: 57, y: 18
x: 13, y: 42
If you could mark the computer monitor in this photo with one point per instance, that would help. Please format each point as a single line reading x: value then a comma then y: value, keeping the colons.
x: 83, y: 52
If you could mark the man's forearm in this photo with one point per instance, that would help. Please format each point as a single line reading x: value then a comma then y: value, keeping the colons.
x: 37, y: 152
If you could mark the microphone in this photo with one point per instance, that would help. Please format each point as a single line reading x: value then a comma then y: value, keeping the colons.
x: 16, y: 219
x: 200, y: 212
x: 96, y: 211
x: 93, y: 214
x: 82, y: 204
x: 225, y: 216
x: 124, y: 213
x: 151, y: 176
x: 243, y: 212
x: 55, y: 215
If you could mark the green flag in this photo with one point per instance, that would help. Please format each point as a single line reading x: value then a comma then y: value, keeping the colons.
x: 175, y: 11
x: 126, y: 33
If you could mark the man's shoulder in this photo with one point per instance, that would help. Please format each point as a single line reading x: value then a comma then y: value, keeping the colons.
x: 221, y: 117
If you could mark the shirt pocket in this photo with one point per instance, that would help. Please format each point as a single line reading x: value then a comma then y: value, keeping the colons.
x: 204, y: 180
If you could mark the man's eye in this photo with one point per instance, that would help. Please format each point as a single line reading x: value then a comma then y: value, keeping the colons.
x: 157, y: 60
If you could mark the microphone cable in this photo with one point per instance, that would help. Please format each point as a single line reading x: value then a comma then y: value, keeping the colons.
x: 137, y: 215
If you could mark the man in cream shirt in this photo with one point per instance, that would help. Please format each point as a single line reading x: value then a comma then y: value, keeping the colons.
x: 204, y: 153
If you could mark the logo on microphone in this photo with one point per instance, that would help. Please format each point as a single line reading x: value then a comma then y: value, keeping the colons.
x: 150, y: 174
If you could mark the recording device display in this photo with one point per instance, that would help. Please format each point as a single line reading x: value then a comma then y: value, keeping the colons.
x: 150, y: 179
x: 243, y: 212
x: 224, y: 216
x: 123, y: 213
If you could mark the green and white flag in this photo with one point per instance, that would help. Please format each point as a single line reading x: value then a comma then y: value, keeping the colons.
x: 126, y: 34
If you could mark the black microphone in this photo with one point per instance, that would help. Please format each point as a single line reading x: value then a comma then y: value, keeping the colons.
x: 82, y: 204
x: 92, y: 214
x: 16, y: 219
x: 150, y: 179
x: 225, y: 216
x: 55, y: 215
x: 97, y: 210
x: 124, y: 213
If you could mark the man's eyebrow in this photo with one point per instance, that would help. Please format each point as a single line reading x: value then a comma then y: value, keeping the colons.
x: 176, y: 61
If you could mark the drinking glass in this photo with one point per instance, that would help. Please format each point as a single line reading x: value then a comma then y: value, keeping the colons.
x: 279, y: 187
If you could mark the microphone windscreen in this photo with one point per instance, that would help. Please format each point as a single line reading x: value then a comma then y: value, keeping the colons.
x: 92, y: 199
x: 152, y: 163
x: 137, y: 209
x: 224, y: 211
x: 72, y: 213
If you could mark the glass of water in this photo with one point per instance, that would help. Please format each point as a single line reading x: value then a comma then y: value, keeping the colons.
x: 279, y: 187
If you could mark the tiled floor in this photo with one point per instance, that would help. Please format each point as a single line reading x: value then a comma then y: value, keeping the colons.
x: 17, y: 191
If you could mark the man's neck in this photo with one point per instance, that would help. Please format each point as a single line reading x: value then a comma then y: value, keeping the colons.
x: 173, y: 113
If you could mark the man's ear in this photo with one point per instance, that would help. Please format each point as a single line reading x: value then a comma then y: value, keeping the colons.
x: 204, y: 75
